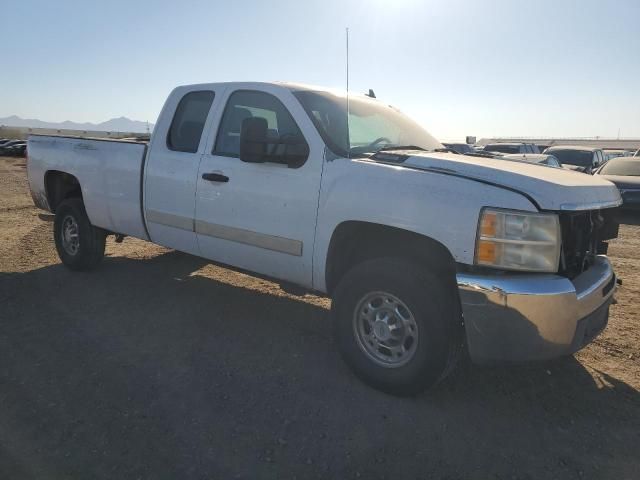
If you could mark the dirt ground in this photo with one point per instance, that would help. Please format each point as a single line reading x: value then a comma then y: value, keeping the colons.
x: 159, y: 366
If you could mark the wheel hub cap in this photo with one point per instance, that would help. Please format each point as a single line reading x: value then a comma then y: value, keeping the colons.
x: 70, y: 235
x: 381, y: 331
x: 385, y: 329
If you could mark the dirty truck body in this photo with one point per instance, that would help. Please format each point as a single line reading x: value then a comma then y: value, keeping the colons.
x: 423, y: 251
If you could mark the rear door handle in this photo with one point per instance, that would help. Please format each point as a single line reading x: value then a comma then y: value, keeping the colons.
x: 215, y: 177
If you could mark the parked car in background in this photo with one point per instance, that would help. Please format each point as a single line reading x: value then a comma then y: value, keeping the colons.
x: 18, y: 149
x: 539, y: 158
x: 6, y: 148
x: 581, y: 159
x: 460, y: 147
x: 637, y: 154
x: 542, y: 147
x: 624, y: 172
x: 511, y: 148
x: 614, y: 153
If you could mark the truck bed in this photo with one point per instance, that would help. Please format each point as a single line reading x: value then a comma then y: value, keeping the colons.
x: 109, y: 172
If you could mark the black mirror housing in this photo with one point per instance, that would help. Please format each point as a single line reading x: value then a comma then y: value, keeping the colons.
x: 296, y: 151
x: 257, y: 147
x: 253, y: 140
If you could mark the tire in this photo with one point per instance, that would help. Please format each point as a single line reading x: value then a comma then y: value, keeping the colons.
x: 427, y: 310
x: 88, y: 249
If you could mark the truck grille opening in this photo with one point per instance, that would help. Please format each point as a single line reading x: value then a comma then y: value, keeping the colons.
x: 585, y: 235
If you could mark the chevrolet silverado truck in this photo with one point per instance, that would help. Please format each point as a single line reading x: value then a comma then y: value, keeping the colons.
x: 426, y: 254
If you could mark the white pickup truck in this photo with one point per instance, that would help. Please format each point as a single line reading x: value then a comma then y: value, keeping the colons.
x: 425, y: 253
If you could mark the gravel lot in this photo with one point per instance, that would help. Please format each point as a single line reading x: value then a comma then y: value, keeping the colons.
x: 161, y: 366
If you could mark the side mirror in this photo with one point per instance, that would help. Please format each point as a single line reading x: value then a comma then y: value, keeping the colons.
x: 295, y: 150
x: 256, y: 146
x: 253, y: 140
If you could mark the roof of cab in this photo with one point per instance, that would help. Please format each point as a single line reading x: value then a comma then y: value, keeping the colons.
x: 292, y: 86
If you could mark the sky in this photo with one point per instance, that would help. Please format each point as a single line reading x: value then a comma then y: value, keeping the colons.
x: 459, y: 67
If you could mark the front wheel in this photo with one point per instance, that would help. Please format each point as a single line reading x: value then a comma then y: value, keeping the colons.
x: 80, y: 245
x: 395, y: 325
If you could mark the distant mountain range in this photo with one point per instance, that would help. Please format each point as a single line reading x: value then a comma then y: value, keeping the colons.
x: 121, y: 124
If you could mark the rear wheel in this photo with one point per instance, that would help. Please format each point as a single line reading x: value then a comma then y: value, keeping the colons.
x: 395, y: 325
x: 80, y: 245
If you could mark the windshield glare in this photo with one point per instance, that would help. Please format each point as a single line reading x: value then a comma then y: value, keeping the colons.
x: 619, y: 166
x: 372, y: 125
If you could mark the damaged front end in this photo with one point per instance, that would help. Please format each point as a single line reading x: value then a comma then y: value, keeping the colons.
x: 520, y: 316
x: 585, y: 234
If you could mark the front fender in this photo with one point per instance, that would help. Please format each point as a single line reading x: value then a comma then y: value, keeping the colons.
x: 442, y: 207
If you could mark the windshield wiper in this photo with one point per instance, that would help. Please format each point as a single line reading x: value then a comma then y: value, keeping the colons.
x: 399, y: 147
x: 445, y: 150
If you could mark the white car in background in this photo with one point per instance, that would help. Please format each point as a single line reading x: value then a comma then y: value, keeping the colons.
x: 539, y: 158
x: 511, y: 147
x: 615, y: 153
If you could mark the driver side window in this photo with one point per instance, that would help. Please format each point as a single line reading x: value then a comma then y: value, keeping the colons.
x: 243, y: 104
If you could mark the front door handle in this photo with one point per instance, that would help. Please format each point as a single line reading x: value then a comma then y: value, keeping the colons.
x: 215, y: 177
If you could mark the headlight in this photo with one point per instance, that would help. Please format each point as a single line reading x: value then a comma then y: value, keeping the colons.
x: 514, y: 240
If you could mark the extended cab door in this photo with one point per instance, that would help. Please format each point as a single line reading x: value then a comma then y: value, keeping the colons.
x: 259, y: 216
x: 172, y: 168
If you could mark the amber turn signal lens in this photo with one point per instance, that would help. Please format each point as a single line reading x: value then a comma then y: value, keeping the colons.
x: 486, y: 251
x: 489, y: 225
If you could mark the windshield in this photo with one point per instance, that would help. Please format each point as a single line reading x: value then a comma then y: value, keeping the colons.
x: 580, y: 158
x: 372, y: 125
x: 622, y: 166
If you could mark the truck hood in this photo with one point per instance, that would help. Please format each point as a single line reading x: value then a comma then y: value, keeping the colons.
x: 551, y: 188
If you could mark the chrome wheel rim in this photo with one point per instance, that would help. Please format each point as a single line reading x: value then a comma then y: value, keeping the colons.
x: 385, y: 329
x: 70, y: 235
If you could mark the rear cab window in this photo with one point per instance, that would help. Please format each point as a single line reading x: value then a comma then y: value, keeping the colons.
x: 188, y: 121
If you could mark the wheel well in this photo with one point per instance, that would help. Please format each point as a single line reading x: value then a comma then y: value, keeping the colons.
x: 354, y: 242
x: 60, y: 186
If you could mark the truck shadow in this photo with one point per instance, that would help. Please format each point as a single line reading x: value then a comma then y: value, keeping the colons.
x: 630, y: 218
x: 146, y: 369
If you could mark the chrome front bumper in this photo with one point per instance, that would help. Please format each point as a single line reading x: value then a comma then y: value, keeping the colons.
x: 520, y: 317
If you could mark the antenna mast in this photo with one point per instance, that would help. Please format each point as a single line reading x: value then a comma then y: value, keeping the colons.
x: 347, y: 32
